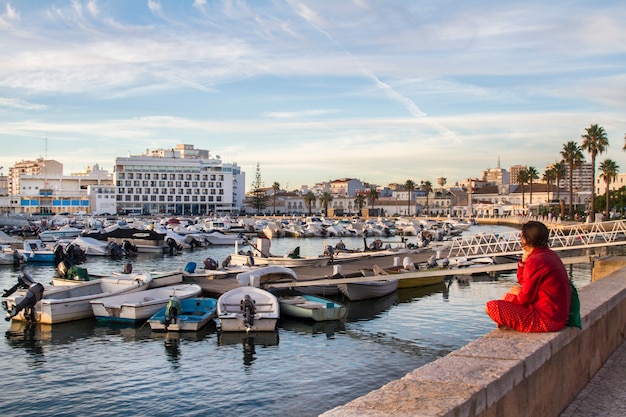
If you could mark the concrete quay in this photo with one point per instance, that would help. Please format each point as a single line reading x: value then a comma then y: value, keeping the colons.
x: 571, y: 372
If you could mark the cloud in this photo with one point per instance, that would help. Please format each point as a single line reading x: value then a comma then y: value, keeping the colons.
x: 17, y: 103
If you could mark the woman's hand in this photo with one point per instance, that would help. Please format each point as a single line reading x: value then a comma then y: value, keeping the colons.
x: 515, y: 290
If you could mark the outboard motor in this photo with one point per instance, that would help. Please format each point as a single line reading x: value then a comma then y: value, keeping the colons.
x: 128, y: 268
x: 17, y: 258
x: 172, y: 310
x: 116, y: 250
x: 247, y: 305
x: 129, y: 248
x: 33, y: 295
x: 226, y: 261
x: 59, y: 255
x: 210, y: 264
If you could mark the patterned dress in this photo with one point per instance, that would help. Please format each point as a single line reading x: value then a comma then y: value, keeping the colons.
x: 543, y: 302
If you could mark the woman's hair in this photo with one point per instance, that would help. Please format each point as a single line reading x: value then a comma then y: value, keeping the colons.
x: 536, y: 234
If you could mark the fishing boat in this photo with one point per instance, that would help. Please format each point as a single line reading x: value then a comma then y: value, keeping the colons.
x: 189, y: 314
x: 73, y: 275
x: 297, y: 304
x: 139, y: 306
x: 34, y: 250
x: 32, y: 301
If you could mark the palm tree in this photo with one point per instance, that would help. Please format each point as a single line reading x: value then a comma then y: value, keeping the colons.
x: 523, y: 178
x: 549, y: 175
x: 573, y: 156
x: 595, y: 142
x: 608, y: 172
x: 533, y: 174
x: 559, y: 174
x: 276, y: 188
x: 360, y: 201
x: 309, y: 199
x: 325, y: 199
x: 409, y: 186
x: 373, y: 196
x: 427, y: 186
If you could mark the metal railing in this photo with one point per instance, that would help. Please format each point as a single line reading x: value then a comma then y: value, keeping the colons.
x: 562, y: 237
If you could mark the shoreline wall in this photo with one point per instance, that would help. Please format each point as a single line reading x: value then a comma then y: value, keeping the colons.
x: 509, y: 373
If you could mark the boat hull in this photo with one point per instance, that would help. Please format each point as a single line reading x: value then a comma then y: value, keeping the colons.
x: 366, y: 290
x: 237, y: 259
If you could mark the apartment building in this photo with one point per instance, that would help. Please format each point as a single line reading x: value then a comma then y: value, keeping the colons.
x: 183, y: 180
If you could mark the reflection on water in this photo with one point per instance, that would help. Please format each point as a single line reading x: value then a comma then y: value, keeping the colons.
x: 364, y: 310
x: 309, y: 327
x: 249, y: 341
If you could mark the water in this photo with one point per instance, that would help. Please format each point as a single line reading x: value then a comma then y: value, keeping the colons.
x: 304, y: 369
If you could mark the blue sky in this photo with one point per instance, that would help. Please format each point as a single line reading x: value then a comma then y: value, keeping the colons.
x: 382, y: 91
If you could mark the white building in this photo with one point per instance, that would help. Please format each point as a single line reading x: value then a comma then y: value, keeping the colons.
x: 183, y: 180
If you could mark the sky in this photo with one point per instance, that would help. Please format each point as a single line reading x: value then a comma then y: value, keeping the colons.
x: 379, y: 90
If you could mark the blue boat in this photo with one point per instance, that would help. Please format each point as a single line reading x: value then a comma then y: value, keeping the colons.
x: 190, y: 314
x: 34, y: 250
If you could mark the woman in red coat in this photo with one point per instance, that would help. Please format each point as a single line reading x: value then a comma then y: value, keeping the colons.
x: 541, y: 301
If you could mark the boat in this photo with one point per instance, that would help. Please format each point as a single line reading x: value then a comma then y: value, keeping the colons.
x: 262, y: 256
x: 74, y: 275
x: 216, y: 237
x: 34, y: 250
x: 32, y: 301
x: 295, y: 303
x: 65, y: 232
x: 144, y: 240
x: 91, y: 246
x: 139, y: 306
x: 369, y: 288
x: 189, y: 314
x: 10, y: 256
x: 249, y: 308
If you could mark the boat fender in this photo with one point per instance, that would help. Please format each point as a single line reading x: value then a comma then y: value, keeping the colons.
x: 210, y: 264
x: 190, y: 267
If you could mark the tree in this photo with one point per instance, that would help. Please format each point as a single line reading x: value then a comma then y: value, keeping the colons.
x: 409, y: 186
x: 325, y: 199
x: 595, y: 142
x: 309, y: 199
x: 523, y: 178
x: 533, y: 174
x: 559, y: 174
x: 427, y: 186
x: 373, y: 196
x: 259, y: 197
x: 608, y: 172
x: 360, y: 201
x: 573, y: 156
x: 276, y: 188
x: 549, y: 175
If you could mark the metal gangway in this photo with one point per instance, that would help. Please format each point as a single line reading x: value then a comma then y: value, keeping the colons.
x: 562, y: 238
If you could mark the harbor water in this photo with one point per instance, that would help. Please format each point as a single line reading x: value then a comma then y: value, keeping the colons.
x: 303, y: 369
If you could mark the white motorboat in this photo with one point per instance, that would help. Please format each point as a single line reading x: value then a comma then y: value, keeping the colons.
x: 138, y: 306
x: 91, y: 246
x: 10, y: 256
x: 247, y: 309
x: 32, y: 301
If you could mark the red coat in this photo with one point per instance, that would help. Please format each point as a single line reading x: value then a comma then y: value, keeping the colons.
x: 545, y: 286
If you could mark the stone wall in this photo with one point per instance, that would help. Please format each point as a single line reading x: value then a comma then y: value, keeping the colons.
x: 507, y: 373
